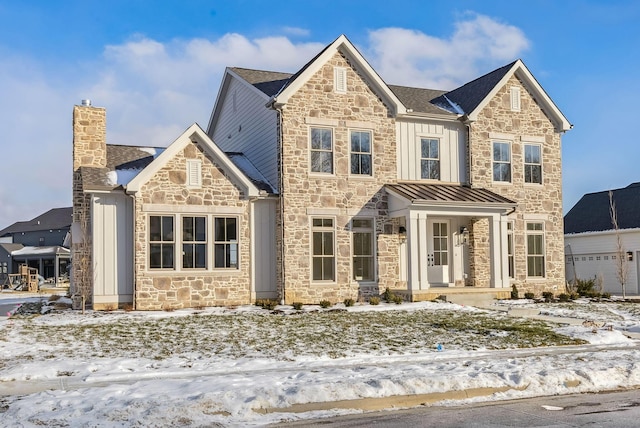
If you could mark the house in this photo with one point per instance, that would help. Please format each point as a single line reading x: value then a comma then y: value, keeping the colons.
x: 328, y: 184
x: 40, y: 243
x: 591, y: 249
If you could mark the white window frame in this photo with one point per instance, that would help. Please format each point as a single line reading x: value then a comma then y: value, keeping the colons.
x: 437, y: 159
x: 340, y: 80
x: 361, y: 153
x: 323, y: 229
x: 532, y: 233
x: 225, y: 242
x: 531, y: 164
x: 194, y: 173
x: 162, y: 242
x: 511, y: 256
x: 194, y: 242
x: 501, y: 162
x: 362, y: 230
x: 320, y: 150
x: 515, y: 96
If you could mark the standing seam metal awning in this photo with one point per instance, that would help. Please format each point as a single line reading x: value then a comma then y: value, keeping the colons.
x: 453, y: 194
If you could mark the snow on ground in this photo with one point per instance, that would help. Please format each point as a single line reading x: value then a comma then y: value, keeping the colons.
x: 244, y: 366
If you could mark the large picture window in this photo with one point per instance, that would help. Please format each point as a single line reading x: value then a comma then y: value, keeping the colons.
x: 430, y: 158
x: 363, y: 249
x: 501, y: 161
x: 161, y: 242
x: 194, y: 242
x: 322, y: 150
x: 535, y: 250
x: 361, y: 152
x: 225, y: 247
x: 532, y: 164
x: 323, y: 254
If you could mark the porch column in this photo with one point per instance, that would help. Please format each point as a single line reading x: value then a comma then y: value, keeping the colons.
x: 496, y: 250
x: 504, y: 253
x: 417, y: 236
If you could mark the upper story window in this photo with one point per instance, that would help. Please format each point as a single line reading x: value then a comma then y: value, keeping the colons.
x: 194, y: 173
x: 194, y: 242
x: 161, y: 242
x: 515, y: 98
x: 532, y: 163
x: 430, y: 158
x: 340, y: 79
x: 361, y: 152
x: 501, y: 161
x: 322, y: 150
x: 323, y: 251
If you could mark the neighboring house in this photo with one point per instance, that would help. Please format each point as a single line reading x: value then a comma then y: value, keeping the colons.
x: 330, y: 184
x: 40, y: 243
x: 591, y: 249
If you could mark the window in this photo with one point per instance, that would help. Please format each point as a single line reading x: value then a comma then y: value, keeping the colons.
x: 532, y: 164
x: 161, y: 242
x: 225, y: 245
x: 501, y: 161
x: 510, y: 255
x: 340, y: 79
x: 430, y: 158
x: 323, y: 256
x: 363, y: 240
x: 321, y: 150
x: 515, y: 98
x: 194, y: 242
x: 194, y: 173
x: 440, y: 244
x: 535, y: 250
x: 361, y: 152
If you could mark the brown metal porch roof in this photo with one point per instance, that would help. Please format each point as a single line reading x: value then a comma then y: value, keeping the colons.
x: 443, y: 193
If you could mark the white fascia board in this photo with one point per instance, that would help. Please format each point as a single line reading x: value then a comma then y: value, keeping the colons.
x: 193, y: 134
x: 562, y: 124
x: 343, y: 45
x: 601, y: 233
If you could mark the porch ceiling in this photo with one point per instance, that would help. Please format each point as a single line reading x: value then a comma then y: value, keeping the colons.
x: 447, y: 194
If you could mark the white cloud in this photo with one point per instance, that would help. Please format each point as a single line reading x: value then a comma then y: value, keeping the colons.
x: 296, y: 31
x: 153, y: 91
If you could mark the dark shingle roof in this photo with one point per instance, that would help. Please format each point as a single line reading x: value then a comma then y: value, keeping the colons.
x: 418, y: 99
x: 56, y: 218
x: 118, y: 158
x: 592, y: 212
x: 269, y: 82
x: 446, y: 193
x: 248, y: 169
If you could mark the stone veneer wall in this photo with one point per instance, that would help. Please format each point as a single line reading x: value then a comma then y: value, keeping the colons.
x: 89, y: 150
x: 193, y: 288
x: 340, y: 195
x: 543, y: 201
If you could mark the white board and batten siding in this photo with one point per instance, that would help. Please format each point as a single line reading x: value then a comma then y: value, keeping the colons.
x: 263, y: 225
x: 591, y: 255
x: 112, y: 236
x: 245, y: 125
x: 451, y: 149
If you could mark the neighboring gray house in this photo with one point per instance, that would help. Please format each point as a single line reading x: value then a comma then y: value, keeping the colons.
x: 40, y: 243
x: 590, y: 240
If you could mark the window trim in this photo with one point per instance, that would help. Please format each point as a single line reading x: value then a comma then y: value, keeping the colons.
x: 312, y: 230
x: 194, y: 243
x: 494, y: 162
x: 161, y: 242
x: 540, y: 232
x: 215, y: 242
x: 511, y: 255
x: 350, y: 152
x: 438, y: 140
x: 525, y: 163
x: 373, y: 256
x: 332, y: 151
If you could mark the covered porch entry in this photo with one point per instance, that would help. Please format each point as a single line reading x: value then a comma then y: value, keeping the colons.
x: 451, y: 237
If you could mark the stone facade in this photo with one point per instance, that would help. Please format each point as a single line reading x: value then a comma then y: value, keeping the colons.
x: 341, y: 195
x: 167, y: 193
x: 536, y: 202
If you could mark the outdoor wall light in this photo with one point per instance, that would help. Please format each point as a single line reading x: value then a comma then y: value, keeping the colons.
x: 629, y: 256
x: 402, y: 233
x: 463, y: 236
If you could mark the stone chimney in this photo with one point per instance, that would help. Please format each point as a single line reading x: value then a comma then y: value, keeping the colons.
x: 89, y: 136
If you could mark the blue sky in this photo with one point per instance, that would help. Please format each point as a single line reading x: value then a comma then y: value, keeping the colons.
x: 156, y: 67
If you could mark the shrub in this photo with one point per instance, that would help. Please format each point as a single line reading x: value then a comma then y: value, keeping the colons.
x: 547, y: 295
x: 349, y: 302
x: 564, y: 297
x: 588, y: 287
x: 297, y: 305
x: 529, y: 295
x: 325, y: 304
x: 514, y: 292
x: 573, y: 295
x: 268, y: 304
x: 387, y: 295
x: 374, y: 300
x: 397, y: 299
x: 606, y: 295
x: 54, y: 297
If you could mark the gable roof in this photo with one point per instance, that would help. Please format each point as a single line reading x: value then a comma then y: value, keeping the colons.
x: 194, y: 134
x: 268, y: 82
x: 56, y: 218
x: 420, y: 100
x: 472, y: 97
x: 592, y: 212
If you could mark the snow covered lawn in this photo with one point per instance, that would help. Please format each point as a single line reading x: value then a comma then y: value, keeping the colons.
x: 228, y: 366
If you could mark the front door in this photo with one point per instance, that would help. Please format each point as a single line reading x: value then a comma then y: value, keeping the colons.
x: 438, y: 252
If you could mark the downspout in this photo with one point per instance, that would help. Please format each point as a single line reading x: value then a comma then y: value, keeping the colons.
x: 467, y: 124
x: 133, y: 247
x: 283, y: 275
